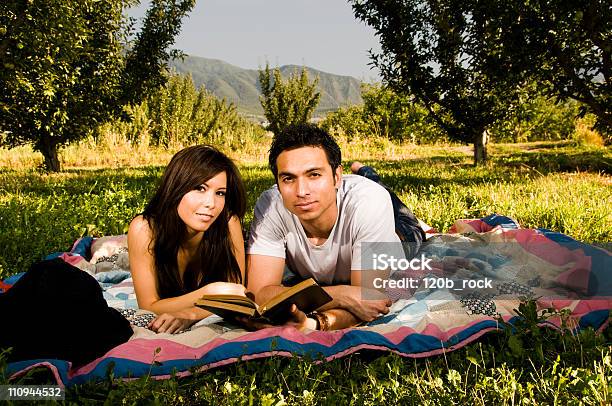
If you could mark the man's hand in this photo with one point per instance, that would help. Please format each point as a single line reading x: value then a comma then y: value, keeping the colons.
x: 351, y: 299
x: 169, y: 323
x: 297, y: 320
x: 367, y: 310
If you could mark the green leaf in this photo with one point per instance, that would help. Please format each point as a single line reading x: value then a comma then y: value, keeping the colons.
x: 516, y: 346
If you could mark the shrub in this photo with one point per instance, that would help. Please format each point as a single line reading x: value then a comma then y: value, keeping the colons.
x: 384, y: 114
x: 584, y: 133
x: 178, y: 115
x: 536, y: 118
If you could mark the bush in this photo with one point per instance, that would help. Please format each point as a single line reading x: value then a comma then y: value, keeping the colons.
x: 584, y: 133
x: 537, y: 119
x: 391, y: 116
x: 178, y: 115
x: 384, y: 114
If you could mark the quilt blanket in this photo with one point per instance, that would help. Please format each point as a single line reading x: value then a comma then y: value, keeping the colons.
x: 480, y: 271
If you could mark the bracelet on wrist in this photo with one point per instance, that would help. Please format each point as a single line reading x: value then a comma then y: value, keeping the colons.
x: 322, y: 321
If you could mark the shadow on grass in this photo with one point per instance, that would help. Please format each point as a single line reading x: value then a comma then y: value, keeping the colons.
x: 422, y: 173
x: 81, y: 181
x: 547, y: 144
x: 502, y: 166
x: 550, y: 161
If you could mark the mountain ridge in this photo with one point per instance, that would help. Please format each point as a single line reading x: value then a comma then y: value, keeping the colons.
x: 241, y: 86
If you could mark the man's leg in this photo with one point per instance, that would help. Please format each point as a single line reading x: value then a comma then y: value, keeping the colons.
x: 406, y: 224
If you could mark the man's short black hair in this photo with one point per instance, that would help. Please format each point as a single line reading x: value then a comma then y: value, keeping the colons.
x: 304, y: 135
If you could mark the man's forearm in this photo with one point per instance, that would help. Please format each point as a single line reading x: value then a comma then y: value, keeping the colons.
x: 339, y: 294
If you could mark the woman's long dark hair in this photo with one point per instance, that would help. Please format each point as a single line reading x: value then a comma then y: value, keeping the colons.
x: 188, y: 169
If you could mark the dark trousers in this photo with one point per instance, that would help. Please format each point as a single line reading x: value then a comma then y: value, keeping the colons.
x: 406, y: 224
x: 58, y: 311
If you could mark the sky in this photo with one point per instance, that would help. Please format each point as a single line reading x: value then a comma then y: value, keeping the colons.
x: 322, y: 34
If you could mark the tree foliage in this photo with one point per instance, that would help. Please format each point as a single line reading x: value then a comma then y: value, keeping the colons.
x: 442, y: 53
x: 566, y: 45
x: 536, y: 117
x: 61, y: 63
x: 181, y: 114
x: 385, y: 114
x: 287, y: 102
x: 146, y: 61
x: 64, y: 69
x: 467, y: 61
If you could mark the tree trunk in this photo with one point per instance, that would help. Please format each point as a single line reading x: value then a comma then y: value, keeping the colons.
x: 50, y: 153
x: 480, y: 148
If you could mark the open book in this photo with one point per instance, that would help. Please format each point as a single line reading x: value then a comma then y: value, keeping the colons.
x: 306, y: 295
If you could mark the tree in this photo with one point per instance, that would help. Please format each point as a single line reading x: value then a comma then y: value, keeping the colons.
x: 395, y: 116
x: 59, y: 70
x: 287, y: 102
x: 443, y: 53
x: 146, y: 62
x: 63, y: 67
x: 565, y: 45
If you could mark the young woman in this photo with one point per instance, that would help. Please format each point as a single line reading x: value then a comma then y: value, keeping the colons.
x: 188, y: 241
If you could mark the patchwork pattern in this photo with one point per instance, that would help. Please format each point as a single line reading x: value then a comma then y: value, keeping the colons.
x: 138, y: 318
x: 479, y: 304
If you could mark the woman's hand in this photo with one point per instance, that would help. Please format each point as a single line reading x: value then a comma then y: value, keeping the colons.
x: 169, y: 323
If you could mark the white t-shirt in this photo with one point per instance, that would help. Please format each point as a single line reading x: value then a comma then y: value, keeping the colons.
x: 365, y: 214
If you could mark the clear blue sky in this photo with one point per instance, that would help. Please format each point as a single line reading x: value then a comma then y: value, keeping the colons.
x: 322, y: 34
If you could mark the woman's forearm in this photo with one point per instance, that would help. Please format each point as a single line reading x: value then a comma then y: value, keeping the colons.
x: 192, y: 313
x: 185, y: 303
x: 177, y: 304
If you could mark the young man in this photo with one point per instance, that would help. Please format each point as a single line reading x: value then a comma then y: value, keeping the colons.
x: 315, y: 222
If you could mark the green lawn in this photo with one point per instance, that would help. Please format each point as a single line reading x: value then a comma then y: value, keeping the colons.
x: 550, y: 185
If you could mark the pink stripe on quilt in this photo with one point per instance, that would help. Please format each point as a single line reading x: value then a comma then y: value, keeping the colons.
x: 477, y: 225
x: 538, y: 244
x: 143, y: 350
x: 71, y: 258
x: 47, y: 364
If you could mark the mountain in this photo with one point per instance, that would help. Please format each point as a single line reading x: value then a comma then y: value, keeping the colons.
x: 241, y: 86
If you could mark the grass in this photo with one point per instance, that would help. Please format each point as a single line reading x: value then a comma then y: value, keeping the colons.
x: 557, y: 186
